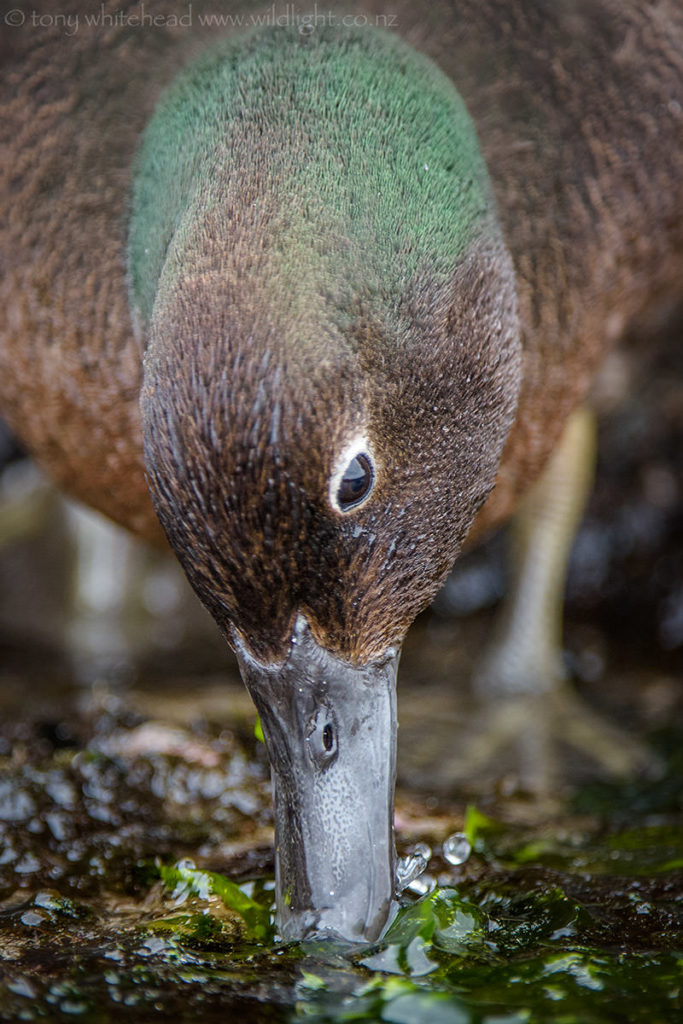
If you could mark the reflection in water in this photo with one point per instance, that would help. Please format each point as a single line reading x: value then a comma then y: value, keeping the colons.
x: 74, y: 582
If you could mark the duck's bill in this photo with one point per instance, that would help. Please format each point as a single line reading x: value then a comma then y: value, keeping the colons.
x: 330, y: 730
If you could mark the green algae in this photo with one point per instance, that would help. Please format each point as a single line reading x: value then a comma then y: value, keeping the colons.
x: 497, y: 946
x: 645, y: 849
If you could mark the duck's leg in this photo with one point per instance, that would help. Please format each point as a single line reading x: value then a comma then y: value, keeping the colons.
x: 525, y: 655
x: 530, y: 710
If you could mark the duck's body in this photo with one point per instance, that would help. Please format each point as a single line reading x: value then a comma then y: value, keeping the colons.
x: 579, y: 113
x: 324, y: 309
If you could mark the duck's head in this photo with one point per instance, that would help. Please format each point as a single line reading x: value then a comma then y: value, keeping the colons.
x: 331, y: 373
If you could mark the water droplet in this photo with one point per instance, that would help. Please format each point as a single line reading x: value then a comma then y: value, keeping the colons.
x: 456, y: 849
x: 73, y: 1007
x: 15, y: 805
x: 33, y: 918
x: 56, y: 822
x: 22, y: 987
x: 49, y: 899
x: 423, y: 885
x: 411, y: 867
x: 27, y: 865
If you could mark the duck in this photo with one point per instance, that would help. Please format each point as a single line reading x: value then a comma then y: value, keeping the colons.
x: 316, y: 298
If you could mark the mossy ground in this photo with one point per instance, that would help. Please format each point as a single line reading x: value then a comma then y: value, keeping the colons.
x: 573, y: 917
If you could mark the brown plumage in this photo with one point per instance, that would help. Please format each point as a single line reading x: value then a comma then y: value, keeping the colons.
x: 579, y: 111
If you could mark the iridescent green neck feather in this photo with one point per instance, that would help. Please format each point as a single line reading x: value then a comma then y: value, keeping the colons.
x: 353, y: 153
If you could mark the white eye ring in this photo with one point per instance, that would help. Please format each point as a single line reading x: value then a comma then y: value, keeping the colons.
x: 359, y: 448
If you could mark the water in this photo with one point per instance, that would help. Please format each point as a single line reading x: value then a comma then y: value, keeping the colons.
x: 121, y: 848
x: 456, y: 849
x: 410, y: 868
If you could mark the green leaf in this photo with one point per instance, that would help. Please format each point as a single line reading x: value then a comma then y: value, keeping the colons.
x: 477, y: 823
x: 203, y: 883
x: 312, y: 981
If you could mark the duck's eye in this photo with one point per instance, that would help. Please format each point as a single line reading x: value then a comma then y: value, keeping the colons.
x: 356, y: 482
